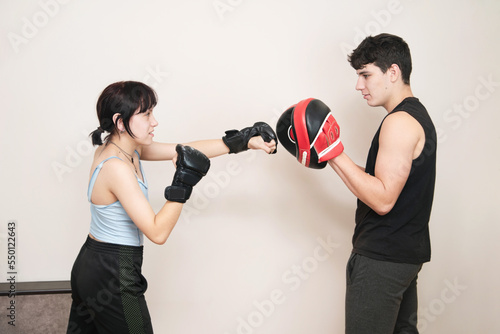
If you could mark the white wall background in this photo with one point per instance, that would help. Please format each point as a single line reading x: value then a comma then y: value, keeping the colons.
x: 247, y: 254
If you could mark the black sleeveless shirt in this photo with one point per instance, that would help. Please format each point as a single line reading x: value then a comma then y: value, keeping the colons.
x: 402, y: 235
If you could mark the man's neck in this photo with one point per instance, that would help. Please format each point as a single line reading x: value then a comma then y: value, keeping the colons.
x: 397, y: 98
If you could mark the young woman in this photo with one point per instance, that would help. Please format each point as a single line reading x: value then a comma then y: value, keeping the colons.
x: 106, y: 280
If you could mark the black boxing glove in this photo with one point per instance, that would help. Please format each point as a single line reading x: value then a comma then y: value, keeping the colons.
x: 191, y: 166
x: 237, y: 141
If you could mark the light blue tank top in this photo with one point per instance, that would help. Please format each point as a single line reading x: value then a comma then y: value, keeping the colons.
x: 110, y: 223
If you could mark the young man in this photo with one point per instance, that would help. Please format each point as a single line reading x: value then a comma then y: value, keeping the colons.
x: 395, y: 193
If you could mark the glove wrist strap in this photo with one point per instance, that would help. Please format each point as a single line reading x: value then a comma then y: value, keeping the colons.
x: 235, y: 141
x: 177, y: 193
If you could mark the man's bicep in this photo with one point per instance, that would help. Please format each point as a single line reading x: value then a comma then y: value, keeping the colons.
x: 397, y: 141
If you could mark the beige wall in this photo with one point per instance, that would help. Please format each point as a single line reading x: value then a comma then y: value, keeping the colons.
x: 262, y: 245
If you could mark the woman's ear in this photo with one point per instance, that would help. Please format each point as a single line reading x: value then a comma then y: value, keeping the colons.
x: 118, y: 122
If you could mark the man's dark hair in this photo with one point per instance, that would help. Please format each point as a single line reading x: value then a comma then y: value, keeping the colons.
x: 383, y: 50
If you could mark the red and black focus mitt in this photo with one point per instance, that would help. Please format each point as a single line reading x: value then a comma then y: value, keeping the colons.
x: 309, y: 132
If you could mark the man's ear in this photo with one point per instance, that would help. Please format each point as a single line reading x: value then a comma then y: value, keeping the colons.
x: 394, y: 72
x: 118, y: 122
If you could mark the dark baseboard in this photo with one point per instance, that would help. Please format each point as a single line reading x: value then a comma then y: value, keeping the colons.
x: 36, y: 288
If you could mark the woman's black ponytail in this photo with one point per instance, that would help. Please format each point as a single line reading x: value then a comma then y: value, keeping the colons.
x: 96, y: 136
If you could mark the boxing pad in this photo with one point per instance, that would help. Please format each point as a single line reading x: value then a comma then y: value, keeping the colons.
x: 309, y: 132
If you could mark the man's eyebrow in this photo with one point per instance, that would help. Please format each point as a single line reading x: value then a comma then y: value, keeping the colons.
x: 363, y: 72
